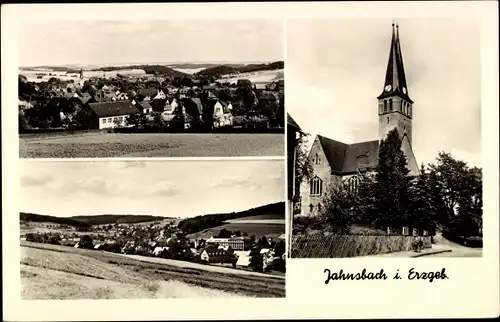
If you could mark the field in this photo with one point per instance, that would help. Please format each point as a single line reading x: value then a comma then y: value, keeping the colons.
x: 257, y: 229
x: 260, y: 219
x: 58, y: 272
x: 151, y: 145
x: 255, y: 77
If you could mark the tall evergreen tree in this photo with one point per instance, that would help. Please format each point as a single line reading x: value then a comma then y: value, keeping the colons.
x: 392, y: 189
x: 422, y: 211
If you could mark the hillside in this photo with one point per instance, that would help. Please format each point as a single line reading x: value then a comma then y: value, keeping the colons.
x: 59, y: 272
x: 149, y: 69
x: 23, y: 216
x: 191, y: 65
x: 250, y: 229
x: 117, y: 219
x: 217, y: 71
x: 220, y: 70
x: 199, y: 223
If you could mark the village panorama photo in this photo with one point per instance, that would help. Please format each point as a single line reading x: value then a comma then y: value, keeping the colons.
x: 384, y: 153
x: 159, y: 88
x: 140, y: 229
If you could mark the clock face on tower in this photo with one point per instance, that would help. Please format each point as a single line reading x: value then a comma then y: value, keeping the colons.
x: 404, y: 90
x: 388, y: 88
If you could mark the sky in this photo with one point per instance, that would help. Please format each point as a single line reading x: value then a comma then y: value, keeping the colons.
x: 156, y: 41
x: 336, y: 70
x: 159, y: 188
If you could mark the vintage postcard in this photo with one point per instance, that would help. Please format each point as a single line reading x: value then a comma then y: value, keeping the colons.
x: 154, y: 170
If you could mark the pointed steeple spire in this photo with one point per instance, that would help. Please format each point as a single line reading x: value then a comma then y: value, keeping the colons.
x: 395, y: 78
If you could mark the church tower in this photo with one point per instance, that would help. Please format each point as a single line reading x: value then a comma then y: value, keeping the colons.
x: 394, y: 104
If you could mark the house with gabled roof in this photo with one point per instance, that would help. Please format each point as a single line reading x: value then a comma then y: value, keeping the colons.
x: 212, y: 254
x: 335, y: 162
x: 110, y: 114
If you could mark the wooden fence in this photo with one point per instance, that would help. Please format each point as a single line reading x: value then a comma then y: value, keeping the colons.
x: 335, y: 246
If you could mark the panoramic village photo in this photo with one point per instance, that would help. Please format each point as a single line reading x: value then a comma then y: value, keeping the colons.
x: 384, y: 153
x: 152, y: 229
x: 176, y: 88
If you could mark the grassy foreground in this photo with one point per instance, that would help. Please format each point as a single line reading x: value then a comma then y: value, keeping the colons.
x: 59, y: 272
x: 102, y: 145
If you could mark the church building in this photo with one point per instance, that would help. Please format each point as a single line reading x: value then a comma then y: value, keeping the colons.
x: 335, y: 162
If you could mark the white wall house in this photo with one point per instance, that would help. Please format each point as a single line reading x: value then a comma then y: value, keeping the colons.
x: 160, y: 95
x: 112, y: 114
x: 222, y: 115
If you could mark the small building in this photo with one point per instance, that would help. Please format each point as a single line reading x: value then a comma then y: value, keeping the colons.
x: 148, y: 93
x: 110, y: 114
x: 145, y: 107
x: 222, y: 114
x: 236, y: 243
x: 244, y: 258
x: 214, y: 255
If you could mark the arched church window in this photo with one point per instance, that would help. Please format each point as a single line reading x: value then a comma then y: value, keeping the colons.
x: 410, y: 110
x: 316, y: 186
x: 390, y: 105
x: 352, y: 184
x: 387, y: 120
x: 385, y: 106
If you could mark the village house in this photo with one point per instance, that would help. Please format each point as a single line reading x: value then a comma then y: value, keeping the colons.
x: 148, y: 93
x: 110, y: 114
x: 144, y: 106
x: 214, y: 255
x: 160, y: 95
x: 222, y: 114
x: 236, y: 243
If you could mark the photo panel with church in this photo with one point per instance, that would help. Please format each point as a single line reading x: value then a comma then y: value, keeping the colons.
x: 384, y: 152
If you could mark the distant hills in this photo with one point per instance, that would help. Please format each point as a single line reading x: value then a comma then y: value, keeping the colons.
x: 210, y: 69
x: 117, y: 219
x: 149, y: 69
x: 188, y: 225
x: 88, y: 221
x: 23, y: 216
x: 199, y: 223
x: 221, y: 70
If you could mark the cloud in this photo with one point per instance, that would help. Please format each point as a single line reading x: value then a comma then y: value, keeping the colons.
x: 163, y: 189
x: 131, y: 164
x: 92, y: 185
x: 236, y: 182
x: 39, y: 179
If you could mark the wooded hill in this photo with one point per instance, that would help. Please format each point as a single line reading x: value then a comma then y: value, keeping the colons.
x: 88, y: 221
x: 221, y: 70
x: 117, y: 219
x: 149, y: 69
x: 199, y: 223
x: 23, y: 216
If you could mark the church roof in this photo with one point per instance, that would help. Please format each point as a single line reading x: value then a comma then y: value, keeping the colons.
x: 361, y: 155
x: 334, y: 152
x: 395, y: 75
x: 292, y: 122
x: 348, y: 158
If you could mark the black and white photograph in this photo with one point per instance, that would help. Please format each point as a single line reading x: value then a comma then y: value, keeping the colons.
x: 384, y: 138
x: 151, y: 88
x: 152, y: 229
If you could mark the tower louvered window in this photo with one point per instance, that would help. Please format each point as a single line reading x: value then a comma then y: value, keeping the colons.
x: 317, y: 159
x: 316, y: 186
